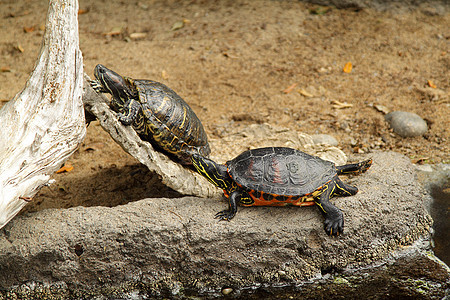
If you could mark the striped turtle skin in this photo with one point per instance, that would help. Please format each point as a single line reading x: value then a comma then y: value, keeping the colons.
x: 156, y: 113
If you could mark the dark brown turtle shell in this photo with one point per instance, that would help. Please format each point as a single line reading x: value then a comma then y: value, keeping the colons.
x: 170, y: 120
x: 280, y: 171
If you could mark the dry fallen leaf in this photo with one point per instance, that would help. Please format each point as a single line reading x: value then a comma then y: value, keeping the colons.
x: 177, y: 25
x: 29, y: 29
x: 290, y: 88
x: 339, y: 105
x: 137, y: 35
x: 347, y: 67
x: 5, y: 69
x: 83, y: 11
x: 20, y: 48
x: 114, y: 31
x: 305, y: 93
x: 66, y: 168
x: 381, y: 108
x: 431, y: 84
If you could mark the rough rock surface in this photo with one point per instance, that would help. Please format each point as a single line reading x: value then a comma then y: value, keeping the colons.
x: 176, y: 247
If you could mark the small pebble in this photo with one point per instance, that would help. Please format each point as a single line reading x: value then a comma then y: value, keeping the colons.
x: 324, y: 139
x: 227, y: 291
x: 406, y: 124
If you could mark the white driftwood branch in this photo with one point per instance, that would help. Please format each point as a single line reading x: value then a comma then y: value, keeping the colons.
x: 44, y: 123
x: 172, y: 174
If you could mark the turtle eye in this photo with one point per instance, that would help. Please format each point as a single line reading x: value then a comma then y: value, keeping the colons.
x: 99, y: 69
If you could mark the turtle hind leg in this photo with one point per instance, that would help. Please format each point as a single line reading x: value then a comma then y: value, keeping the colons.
x: 334, y: 218
x: 357, y: 168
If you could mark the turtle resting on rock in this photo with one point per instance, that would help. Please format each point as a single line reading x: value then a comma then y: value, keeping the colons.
x: 277, y: 176
x: 156, y: 113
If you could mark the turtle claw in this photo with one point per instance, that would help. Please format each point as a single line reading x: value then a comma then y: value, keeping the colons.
x: 124, y: 119
x: 97, y: 86
x: 334, y: 227
x: 225, y: 215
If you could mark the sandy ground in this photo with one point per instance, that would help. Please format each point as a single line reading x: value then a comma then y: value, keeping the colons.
x: 232, y: 61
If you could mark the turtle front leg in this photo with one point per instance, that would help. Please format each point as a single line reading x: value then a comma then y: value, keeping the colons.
x: 334, y: 218
x: 229, y: 213
x: 130, y: 112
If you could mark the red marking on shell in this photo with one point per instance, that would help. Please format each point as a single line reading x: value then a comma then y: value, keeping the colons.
x: 276, y: 172
x: 304, y: 200
x: 250, y: 167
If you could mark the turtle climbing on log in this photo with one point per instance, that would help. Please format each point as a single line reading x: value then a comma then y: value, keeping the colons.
x: 156, y: 113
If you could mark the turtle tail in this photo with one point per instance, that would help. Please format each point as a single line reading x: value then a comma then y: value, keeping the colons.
x: 356, y: 169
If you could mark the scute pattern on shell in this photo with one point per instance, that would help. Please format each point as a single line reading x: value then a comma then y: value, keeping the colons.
x: 172, y: 123
x: 280, y: 171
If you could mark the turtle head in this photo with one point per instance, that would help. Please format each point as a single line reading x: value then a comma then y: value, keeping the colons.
x: 113, y: 83
x: 215, y: 173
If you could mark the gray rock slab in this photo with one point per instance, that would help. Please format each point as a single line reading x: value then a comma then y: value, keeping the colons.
x: 174, y: 247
